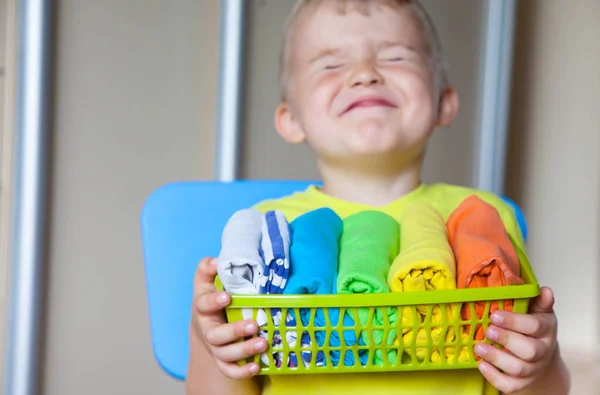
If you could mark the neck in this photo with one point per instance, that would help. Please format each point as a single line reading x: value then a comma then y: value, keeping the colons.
x: 370, y: 187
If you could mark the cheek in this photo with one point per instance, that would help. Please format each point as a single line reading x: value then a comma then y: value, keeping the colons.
x: 414, y: 80
x: 322, y: 91
x: 418, y: 89
x: 318, y: 110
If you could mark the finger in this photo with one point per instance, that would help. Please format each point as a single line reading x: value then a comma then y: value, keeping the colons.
x: 235, y: 371
x: 506, y: 384
x: 209, y: 312
x: 227, y: 333
x: 209, y: 301
x: 241, y: 350
x: 205, y: 272
x: 523, y: 347
x: 508, y: 363
x: 534, y: 325
x: 544, y: 303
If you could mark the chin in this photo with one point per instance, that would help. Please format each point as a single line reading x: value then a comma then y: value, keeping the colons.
x: 368, y: 133
x: 374, y: 152
x: 375, y: 137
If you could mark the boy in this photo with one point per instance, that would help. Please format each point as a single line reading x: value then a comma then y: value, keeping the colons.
x: 364, y: 84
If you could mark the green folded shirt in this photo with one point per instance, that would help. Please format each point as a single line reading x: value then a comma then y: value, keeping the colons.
x: 369, y: 243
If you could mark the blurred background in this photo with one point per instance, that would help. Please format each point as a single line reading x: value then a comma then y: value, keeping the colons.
x: 134, y: 89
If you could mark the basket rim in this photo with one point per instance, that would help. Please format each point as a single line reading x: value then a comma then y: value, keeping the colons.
x: 525, y: 291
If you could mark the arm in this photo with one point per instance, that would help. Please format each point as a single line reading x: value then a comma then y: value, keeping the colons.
x: 555, y: 380
x: 214, y: 349
x: 203, y: 376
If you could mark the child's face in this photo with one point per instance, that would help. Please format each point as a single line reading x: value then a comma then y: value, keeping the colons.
x: 361, y: 85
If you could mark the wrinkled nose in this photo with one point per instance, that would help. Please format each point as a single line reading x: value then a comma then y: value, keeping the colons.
x: 364, y: 74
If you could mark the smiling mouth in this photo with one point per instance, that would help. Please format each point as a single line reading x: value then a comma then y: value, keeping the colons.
x: 369, y: 102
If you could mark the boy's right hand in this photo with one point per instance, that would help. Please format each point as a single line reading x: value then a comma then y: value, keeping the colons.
x: 219, y: 337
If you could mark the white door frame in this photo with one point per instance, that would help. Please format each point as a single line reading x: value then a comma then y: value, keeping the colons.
x: 495, y: 94
x: 31, y: 130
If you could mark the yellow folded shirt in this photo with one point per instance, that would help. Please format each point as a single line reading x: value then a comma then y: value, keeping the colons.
x: 425, y: 263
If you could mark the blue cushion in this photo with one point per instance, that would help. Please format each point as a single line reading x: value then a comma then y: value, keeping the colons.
x: 520, y: 217
x: 181, y: 224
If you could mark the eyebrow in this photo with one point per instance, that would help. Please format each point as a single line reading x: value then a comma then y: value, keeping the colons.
x: 389, y: 44
x: 383, y: 45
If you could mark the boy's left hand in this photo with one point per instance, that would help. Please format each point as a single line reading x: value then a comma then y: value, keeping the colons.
x: 529, y: 341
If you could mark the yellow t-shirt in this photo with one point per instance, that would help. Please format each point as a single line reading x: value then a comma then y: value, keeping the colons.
x: 445, y: 198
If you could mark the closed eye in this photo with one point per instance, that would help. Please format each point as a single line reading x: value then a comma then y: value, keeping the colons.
x: 333, y: 66
x: 396, y: 59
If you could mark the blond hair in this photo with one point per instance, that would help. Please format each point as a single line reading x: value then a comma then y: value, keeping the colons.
x: 436, y: 59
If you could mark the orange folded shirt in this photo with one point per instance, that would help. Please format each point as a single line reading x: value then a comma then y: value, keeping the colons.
x: 485, y: 255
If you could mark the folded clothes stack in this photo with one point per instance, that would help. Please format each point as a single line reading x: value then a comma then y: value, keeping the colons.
x: 369, y: 252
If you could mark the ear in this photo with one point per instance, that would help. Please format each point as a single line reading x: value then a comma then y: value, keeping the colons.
x: 287, y: 125
x: 448, y: 106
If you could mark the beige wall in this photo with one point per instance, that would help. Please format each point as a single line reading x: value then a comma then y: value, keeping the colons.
x: 7, y: 68
x: 3, y: 255
x: 452, y: 153
x: 134, y: 105
x: 554, y: 166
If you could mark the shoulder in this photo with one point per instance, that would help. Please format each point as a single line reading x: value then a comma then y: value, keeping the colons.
x: 453, y: 195
x: 448, y: 197
x: 292, y: 205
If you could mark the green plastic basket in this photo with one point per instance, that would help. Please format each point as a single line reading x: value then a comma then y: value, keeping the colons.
x: 430, y: 343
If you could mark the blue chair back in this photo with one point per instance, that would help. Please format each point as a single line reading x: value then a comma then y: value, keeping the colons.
x: 181, y: 223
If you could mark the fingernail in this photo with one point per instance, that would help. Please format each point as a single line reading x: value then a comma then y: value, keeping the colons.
x: 497, y: 318
x: 483, y: 367
x: 259, y: 346
x: 222, y: 298
x: 480, y: 350
x: 492, y: 333
x: 254, y: 369
x: 249, y: 329
x: 213, y: 261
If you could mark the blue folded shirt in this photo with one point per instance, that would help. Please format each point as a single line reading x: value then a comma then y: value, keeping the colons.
x: 314, y: 255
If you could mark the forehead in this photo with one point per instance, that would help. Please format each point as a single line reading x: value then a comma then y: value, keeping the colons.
x: 329, y: 26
